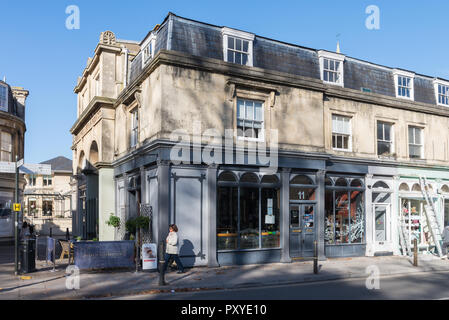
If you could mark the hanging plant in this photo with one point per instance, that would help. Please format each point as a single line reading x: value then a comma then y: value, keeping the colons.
x: 113, y: 221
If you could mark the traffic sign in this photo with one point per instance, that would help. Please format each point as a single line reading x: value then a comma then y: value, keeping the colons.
x: 17, y: 207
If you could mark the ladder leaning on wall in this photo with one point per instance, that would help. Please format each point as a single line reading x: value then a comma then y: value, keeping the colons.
x: 403, y: 236
x: 432, y: 220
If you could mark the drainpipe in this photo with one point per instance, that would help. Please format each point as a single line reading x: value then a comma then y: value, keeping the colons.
x: 126, y: 51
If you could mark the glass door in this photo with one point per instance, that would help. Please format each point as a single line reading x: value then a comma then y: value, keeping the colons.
x: 382, y: 227
x: 302, y: 230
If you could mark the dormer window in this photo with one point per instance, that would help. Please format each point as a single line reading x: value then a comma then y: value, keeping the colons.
x: 3, y: 97
x: 442, y: 92
x: 148, y: 49
x: 238, y: 47
x: 331, y: 67
x: 404, y: 84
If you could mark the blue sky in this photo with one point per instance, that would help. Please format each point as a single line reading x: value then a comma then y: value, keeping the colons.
x: 41, y: 55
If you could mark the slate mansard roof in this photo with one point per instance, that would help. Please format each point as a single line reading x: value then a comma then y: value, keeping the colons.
x: 14, y: 108
x: 205, y: 40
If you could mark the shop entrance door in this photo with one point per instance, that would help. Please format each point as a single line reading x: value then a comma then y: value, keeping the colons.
x: 382, y: 228
x: 302, y: 230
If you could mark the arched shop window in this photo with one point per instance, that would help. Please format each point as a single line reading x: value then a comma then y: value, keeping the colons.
x: 380, y: 185
x: 342, y: 182
x: 404, y: 187
x: 302, y: 189
x: 248, y: 212
x: 227, y: 177
x: 381, y: 193
x: 445, y: 189
x: 356, y: 183
x: 416, y: 187
x: 344, y: 213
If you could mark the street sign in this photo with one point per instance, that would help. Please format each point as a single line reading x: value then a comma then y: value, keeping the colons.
x: 17, y: 207
x: 43, y: 169
x: 10, y: 167
x: 19, y: 163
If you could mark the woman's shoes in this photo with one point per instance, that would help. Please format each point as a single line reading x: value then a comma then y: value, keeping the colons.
x: 181, y: 271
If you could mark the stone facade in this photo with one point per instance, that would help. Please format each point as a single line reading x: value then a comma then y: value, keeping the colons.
x: 178, y: 80
x: 48, y: 202
x: 12, y: 131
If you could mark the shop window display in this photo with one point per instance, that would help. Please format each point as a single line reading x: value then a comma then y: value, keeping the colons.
x: 248, y: 212
x: 344, y: 213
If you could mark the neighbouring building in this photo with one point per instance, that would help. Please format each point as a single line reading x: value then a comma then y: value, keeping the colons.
x: 48, y: 198
x: 12, y: 131
x: 354, y: 138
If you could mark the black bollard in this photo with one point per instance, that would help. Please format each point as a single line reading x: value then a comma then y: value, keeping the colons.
x: 51, y: 232
x: 161, y: 261
x: 67, y: 235
x: 315, y: 257
x: 415, y: 252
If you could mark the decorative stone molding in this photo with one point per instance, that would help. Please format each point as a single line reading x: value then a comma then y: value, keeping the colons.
x: 108, y: 37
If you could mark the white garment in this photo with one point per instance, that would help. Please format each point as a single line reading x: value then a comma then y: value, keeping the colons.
x: 172, y: 243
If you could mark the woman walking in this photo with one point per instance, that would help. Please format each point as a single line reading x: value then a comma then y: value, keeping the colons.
x: 172, y: 249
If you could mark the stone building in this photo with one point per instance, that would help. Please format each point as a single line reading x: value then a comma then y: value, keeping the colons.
x: 176, y: 120
x: 12, y: 131
x: 48, y: 198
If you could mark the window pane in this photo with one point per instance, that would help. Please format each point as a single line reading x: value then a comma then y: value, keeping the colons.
x: 329, y: 232
x: 258, y: 107
x: 249, y: 218
x: 357, y: 217
x: 418, y: 136
x: 411, y: 135
x: 244, y: 59
x: 383, y: 148
x: 249, y: 110
x: 240, y: 109
x: 238, y: 58
x: 245, y: 46
x: 227, y: 218
x: 346, y: 142
x: 230, y: 56
x: 270, y: 218
x: 380, y: 130
x: 334, y: 141
x: 238, y: 44
x: 341, y: 217
x: 387, y: 132
x: 230, y: 42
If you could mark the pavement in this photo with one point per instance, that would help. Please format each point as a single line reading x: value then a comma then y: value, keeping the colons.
x: 46, y: 284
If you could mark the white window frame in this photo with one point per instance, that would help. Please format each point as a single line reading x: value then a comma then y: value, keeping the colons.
x: 6, y: 149
x: 421, y: 145
x: 134, y: 128
x: 227, y: 32
x: 4, y: 102
x: 341, y: 133
x: 261, y: 137
x: 391, y: 137
x: 400, y: 73
x: 335, y: 57
x: 46, y: 179
x: 437, y: 83
x: 147, y: 55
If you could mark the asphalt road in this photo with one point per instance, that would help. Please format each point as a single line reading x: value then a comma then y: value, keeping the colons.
x: 427, y: 286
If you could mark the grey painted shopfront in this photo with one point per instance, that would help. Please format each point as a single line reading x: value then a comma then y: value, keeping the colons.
x: 236, y: 214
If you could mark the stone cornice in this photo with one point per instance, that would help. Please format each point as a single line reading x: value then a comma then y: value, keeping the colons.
x: 13, y: 118
x: 93, y: 106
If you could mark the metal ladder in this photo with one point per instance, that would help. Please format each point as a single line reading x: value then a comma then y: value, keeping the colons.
x: 403, y: 237
x: 432, y: 220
